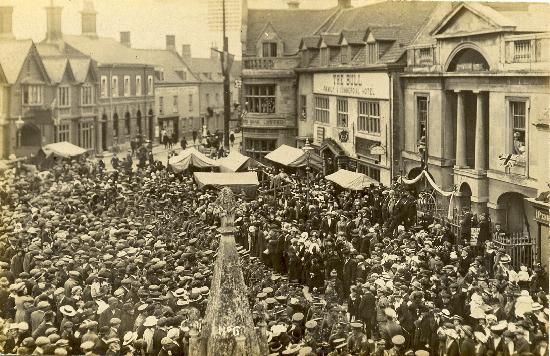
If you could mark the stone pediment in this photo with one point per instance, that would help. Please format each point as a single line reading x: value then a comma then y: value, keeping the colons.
x: 468, y: 19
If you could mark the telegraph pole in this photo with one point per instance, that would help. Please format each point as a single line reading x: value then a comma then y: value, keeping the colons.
x: 226, y: 68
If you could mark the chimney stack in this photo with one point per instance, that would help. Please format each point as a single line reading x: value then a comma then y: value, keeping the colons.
x: 88, y: 19
x: 171, y: 43
x: 6, y: 28
x: 125, y: 38
x: 293, y: 4
x: 344, y: 3
x: 186, y: 51
x: 53, y: 23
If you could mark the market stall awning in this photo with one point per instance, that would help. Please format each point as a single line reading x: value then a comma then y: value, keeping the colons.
x: 63, y: 149
x: 191, y: 157
x: 235, y: 161
x: 232, y: 180
x: 351, y: 180
x: 293, y: 157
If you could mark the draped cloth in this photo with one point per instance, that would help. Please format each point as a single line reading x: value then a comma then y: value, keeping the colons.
x: 424, y: 173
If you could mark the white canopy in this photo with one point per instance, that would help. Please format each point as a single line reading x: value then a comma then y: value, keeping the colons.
x: 191, y: 157
x: 235, y: 162
x: 351, y: 180
x: 63, y: 149
x: 287, y: 156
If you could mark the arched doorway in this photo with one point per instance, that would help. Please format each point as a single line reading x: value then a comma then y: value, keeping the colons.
x: 138, y: 120
x: 127, y: 123
x: 512, y: 217
x: 464, y: 198
x: 115, y: 125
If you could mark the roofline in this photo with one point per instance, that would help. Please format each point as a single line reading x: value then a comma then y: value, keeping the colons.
x: 114, y: 65
x: 171, y: 84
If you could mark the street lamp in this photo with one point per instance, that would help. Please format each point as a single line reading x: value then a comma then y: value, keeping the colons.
x: 307, y: 148
x: 18, y: 125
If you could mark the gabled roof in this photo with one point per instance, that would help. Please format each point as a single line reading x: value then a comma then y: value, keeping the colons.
x: 519, y: 17
x: 13, y: 54
x: 384, y: 33
x: 170, y: 62
x: 353, y: 37
x: 202, y: 67
x: 290, y: 25
x: 81, y: 67
x: 395, y: 21
x: 331, y: 39
x: 104, y: 50
x: 310, y: 42
x: 56, y: 68
x: 493, y: 17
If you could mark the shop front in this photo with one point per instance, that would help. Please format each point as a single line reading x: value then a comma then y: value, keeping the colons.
x: 541, y: 226
x: 351, y: 112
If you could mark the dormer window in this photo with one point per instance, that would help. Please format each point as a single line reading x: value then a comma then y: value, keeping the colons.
x: 324, y: 56
x: 269, y: 49
x: 372, y: 52
x: 344, y: 54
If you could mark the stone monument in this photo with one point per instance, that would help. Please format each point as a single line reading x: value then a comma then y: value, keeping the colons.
x: 228, y: 328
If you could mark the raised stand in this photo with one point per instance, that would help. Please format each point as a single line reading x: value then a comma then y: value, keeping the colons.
x: 228, y: 328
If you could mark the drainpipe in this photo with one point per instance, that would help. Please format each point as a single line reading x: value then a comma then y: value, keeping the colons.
x: 390, y: 144
x: 109, y: 88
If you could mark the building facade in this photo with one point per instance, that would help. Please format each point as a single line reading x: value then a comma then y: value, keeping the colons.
x: 270, y: 53
x: 476, y: 91
x: 126, y: 94
x: 349, y: 88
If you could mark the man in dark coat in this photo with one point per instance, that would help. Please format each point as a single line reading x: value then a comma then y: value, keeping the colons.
x: 367, y: 310
x: 467, y: 345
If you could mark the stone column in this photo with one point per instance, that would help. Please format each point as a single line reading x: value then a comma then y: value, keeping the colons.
x: 194, y: 343
x: 481, y: 147
x: 460, y: 131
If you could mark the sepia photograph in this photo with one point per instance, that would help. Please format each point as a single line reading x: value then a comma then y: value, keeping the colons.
x: 274, y: 177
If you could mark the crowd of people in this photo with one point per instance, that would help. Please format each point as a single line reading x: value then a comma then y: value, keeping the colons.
x: 119, y: 263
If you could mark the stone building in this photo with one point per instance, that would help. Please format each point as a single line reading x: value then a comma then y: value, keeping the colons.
x: 349, y: 89
x: 126, y: 95
x: 476, y: 91
x: 45, y: 95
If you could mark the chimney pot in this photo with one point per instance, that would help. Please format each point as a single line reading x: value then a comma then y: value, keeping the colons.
x: 125, y: 38
x: 171, y: 43
x: 6, y: 24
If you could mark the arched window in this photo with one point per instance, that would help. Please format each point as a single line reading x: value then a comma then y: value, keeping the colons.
x: 468, y: 60
x: 138, y: 119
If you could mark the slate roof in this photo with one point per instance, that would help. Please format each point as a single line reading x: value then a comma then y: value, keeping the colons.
x: 201, y: 66
x: 354, y: 37
x: 13, y: 54
x: 170, y: 62
x: 311, y: 41
x: 290, y: 24
x: 398, y: 21
x: 105, y: 50
x: 331, y: 39
x: 80, y: 68
x: 55, y: 67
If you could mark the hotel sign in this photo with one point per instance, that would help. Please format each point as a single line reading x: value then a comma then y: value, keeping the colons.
x: 357, y: 85
x: 542, y: 216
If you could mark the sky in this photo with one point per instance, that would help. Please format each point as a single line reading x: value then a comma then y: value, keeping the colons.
x: 147, y: 20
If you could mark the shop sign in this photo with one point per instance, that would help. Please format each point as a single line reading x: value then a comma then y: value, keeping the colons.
x: 542, y: 216
x: 363, y: 146
x: 358, y: 85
